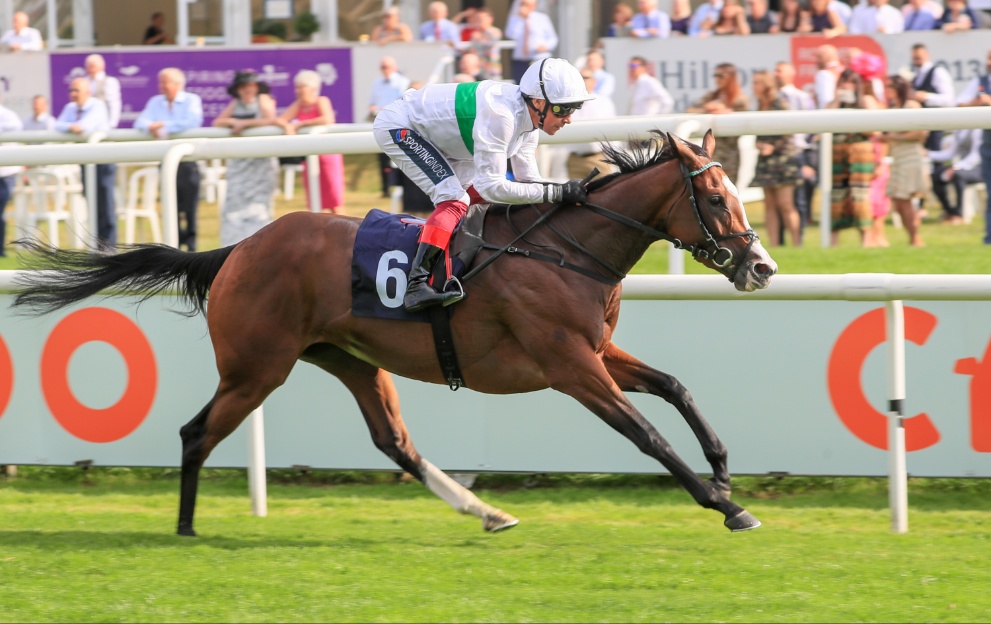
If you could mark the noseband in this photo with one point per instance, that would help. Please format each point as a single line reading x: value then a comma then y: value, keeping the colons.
x: 709, y: 248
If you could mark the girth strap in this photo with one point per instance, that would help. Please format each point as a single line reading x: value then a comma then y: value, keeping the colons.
x: 440, y: 323
x: 564, y: 264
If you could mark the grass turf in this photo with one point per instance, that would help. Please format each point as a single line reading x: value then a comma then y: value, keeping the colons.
x: 101, y: 548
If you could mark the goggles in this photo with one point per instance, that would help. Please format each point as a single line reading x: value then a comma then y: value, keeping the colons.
x: 563, y: 110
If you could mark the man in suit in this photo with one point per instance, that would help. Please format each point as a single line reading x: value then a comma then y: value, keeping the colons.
x: 534, y: 35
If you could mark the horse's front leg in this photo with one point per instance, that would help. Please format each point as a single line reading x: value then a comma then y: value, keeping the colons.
x: 632, y: 375
x: 586, y: 379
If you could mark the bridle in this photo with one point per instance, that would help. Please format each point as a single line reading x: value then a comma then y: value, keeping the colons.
x: 708, y: 249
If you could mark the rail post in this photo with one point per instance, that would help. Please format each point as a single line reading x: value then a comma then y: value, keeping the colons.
x: 257, y: 485
x: 170, y: 213
x: 92, y: 193
x: 825, y: 186
x: 897, y: 472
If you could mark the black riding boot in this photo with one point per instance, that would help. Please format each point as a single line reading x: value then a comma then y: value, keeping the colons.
x: 420, y: 294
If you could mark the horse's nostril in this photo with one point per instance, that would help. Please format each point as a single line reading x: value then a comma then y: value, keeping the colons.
x: 763, y: 270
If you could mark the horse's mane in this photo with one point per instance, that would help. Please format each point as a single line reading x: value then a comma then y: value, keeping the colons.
x: 637, y: 155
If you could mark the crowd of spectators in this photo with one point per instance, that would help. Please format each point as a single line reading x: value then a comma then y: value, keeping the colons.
x: 872, y: 172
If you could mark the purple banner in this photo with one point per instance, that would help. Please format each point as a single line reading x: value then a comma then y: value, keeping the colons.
x: 209, y: 73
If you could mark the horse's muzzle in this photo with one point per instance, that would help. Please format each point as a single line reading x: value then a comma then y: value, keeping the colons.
x: 757, y: 270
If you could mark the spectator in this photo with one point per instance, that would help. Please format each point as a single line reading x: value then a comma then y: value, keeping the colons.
x: 173, y: 111
x: 470, y: 67
x: 877, y: 16
x: 909, y: 169
x: 622, y: 16
x: 760, y: 20
x: 931, y: 6
x: 391, y: 29
x: 438, y: 27
x: 727, y: 97
x: 806, y: 149
x: 870, y: 68
x: 534, y: 35
x: 84, y: 115
x: 104, y: 87
x: 249, y: 204
x: 313, y: 109
x: 792, y: 17
x: 959, y: 165
x: 9, y: 122
x: 385, y: 91
x: 681, y: 15
x: 853, y: 164
x: 155, y: 33
x: 823, y: 19
x: 40, y: 118
x: 932, y: 88
x: 584, y: 157
x: 918, y: 15
x: 708, y: 10
x: 957, y: 17
x: 829, y: 72
x: 777, y: 167
x: 649, y: 21
x: 732, y: 21
x: 648, y: 97
x: 22, y: 38
x: 467, y: 23
x: 605, y: 83
x: 978, y: 93
x: 484, y: 42
x: 841, y: 8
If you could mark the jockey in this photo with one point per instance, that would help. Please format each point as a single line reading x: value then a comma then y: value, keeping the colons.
x: 453, y: 141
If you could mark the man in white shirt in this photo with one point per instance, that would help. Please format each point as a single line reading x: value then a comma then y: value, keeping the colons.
x: 84, y: 115
x: 385, y: 91
x: 648, y: 96
x: 784, y: 76
x: 534, y: 35
x: 830, y: 69
x: 877, y: 16
x: 40, y: 118
x: 605, y: 83
x: 453, y: 141
x: 649, y: 21
x: 978, y: 93
x: 104, y: 87
x: 933, y: 89
x: 21, y: 37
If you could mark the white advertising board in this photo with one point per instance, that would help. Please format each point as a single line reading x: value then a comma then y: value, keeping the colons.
x: 23, y: 75
x: 796, y: 387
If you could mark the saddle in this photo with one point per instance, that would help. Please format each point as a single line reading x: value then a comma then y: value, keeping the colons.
x: 383, y: 249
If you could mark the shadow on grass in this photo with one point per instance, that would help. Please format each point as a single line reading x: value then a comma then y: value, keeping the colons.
x: 65, y: 541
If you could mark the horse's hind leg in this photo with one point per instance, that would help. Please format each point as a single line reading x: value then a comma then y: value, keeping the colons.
x: 632, y: 375
x: 379, y: 403
x: 238, y: 394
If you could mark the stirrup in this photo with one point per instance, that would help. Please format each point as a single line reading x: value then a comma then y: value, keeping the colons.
x: 460, y: 291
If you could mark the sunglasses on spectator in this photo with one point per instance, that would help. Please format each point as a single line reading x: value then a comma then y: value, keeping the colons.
x: 635, y: 65
x: 718, y: 76
x: 563, y: 110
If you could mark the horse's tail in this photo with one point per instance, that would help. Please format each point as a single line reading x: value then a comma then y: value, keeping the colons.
x: 63, y: 277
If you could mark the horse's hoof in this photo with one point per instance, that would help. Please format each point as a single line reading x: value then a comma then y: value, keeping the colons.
x: 743, y: 521
x: 498, y: 521
x: 186, y: 531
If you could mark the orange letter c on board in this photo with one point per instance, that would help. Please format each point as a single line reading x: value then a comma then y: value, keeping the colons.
x: 846, y: 362
x: 119, y: 420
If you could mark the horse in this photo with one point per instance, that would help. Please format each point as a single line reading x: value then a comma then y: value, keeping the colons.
x: 284, y: 294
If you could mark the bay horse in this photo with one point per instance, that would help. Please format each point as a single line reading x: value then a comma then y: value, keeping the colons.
x: 284, y: 294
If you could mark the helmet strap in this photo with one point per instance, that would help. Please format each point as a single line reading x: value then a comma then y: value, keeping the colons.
x: 541, y: 113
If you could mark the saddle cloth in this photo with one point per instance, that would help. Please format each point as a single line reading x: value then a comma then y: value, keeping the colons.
x: 383, y: 250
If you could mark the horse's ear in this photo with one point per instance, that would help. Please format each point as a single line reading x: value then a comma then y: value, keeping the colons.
x: 709, y: 143
x: 679, y: 148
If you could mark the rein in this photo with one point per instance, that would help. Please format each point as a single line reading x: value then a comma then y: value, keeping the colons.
x: 708, y: 249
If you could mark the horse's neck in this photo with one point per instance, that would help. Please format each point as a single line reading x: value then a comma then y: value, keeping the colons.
x: 639, y: 196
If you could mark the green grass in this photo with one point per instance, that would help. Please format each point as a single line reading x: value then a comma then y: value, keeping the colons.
x: 950, y: 249
x: 100, y: 547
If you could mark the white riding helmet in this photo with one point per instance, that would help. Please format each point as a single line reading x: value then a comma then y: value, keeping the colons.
x: 555, y: 80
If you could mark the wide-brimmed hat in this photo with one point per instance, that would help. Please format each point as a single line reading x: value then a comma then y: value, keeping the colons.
x: 244, y: 77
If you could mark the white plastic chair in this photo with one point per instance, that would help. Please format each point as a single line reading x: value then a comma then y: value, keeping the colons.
x: 51, y: 195
x: 289, y: 180
x: 142, y: 197
x: 971, y: 202
x: 213, y: 183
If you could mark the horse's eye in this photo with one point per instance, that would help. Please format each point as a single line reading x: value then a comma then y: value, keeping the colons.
x: 717, y: 201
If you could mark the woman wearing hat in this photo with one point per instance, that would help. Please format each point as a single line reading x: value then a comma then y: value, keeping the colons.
x: 248, y: 205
